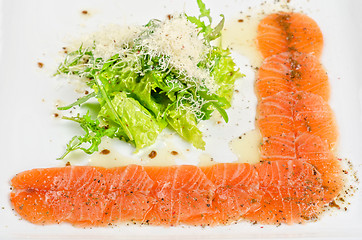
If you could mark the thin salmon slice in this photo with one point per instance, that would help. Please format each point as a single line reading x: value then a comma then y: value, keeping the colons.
x: 222, y: 193
x: 314, y: 115
x: 300, y: 112
x: 292, y: 192
x: 312, y: 149
x: 309, y: 148
x: 237, y: 192
x: 292, y: 72
x: 82, y: 195
x: 181, y: 193
x: 95, y: 196
x: 288, y: 31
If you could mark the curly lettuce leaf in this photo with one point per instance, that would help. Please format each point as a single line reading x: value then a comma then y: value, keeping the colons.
x: 142, y: 125
x: 224, y: 71
x: 81, y: 62
x: 184, y: 123
x: 126, y: 79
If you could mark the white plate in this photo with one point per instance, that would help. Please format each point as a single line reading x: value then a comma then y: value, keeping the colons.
x: 34, y: 31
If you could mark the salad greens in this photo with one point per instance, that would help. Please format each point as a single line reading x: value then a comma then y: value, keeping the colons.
x: 142, y: 88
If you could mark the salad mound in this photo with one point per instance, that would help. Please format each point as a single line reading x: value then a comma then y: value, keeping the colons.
x: 164, y: 74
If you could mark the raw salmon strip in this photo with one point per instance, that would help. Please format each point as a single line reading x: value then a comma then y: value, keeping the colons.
x: 295, y: 120
x: 223, y: 193
x: 93, y: 196
x: 82, y: 195
x: 237, y: 192
x: 312, y: 149
x: 314, y: 115
x: 309, y: 148
x: 180, y: 192
x: 283, y: 31
x: 292, y: 192
x: 292, y: 72
x: 299, y: 112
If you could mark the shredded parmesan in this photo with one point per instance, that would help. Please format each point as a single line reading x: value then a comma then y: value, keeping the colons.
x: 109, y: 40
x: 176, y: 42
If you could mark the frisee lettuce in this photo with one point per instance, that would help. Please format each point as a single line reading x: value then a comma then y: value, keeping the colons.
x: 140, y: 92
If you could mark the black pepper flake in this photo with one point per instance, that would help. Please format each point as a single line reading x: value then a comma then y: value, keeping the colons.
x: 85, y: 12
x: 105, y: 152
x: 152, y: 154
x: 174, y: 153
x: 40, y: 64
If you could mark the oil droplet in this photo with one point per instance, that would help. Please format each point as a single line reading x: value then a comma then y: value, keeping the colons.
x: 246, y: 147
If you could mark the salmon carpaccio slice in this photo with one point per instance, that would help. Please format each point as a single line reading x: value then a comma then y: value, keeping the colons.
x: 292, y: 72
x: 299, y: 112
x: 180, y: 193
x: 82, y: 195
x: 292, y: 192
x: 288, y: 31
x: 237, y: 192
x: 294, y: 117
x: 310, y: 148
x: 223, y: 193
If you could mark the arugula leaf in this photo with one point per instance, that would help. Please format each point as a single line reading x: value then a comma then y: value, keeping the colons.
x: 218, y: 102
x: 209, y: 32
x: 92, y: 138
x: 216, y: 32
x: 80, y: 62
x: 79, y: 101
x: 204, y: 12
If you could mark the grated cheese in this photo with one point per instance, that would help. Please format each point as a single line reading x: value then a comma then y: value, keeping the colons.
x: 178, y: 45
x: 109, y: 40
x: 175, y: 42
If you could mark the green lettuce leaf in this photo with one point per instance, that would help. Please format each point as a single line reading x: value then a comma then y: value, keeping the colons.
x: 142, y: 125
x: 126, y: 79
x: 224, y: 72
x: 184, y: 123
